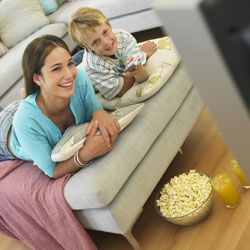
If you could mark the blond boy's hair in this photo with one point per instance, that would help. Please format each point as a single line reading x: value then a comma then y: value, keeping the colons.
x: 85, y: 20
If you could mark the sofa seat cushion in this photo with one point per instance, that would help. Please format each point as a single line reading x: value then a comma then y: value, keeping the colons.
x: 97, y: 185
x: 11, y: 62
x: 119, y: 8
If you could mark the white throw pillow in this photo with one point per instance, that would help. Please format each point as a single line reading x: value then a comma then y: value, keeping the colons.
x: 160, y: 66
x: 74, y: 137
x: 18, y: 19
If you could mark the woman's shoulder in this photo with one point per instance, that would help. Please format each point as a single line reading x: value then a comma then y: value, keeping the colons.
x: 27, y: 108
x: 30, y: 102
x: 80, y: 73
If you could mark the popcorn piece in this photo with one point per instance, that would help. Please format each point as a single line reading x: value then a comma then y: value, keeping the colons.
x: 184, y: 194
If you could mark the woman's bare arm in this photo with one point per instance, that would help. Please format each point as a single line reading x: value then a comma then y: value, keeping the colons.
x: 93, y: 147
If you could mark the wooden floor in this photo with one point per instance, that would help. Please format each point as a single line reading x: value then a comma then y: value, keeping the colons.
x: 224, y: 229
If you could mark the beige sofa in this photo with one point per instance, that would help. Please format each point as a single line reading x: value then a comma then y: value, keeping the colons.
x: 109, y: 195
x: 23, y: 20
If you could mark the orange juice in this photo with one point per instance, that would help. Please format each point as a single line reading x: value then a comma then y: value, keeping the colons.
x: 226, y: 189
x: 239, y: 174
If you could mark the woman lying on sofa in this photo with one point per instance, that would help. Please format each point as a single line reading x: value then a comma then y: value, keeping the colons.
x: 58, y: 96
x: 32, y: 206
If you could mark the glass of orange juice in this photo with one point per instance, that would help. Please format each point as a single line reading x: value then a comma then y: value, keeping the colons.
x: 225, y: 188
x: 239, y: 174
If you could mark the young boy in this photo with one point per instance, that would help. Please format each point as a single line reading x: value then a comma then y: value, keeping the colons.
x: 108, y: 53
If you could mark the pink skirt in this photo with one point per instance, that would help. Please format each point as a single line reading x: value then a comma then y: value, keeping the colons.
x: 33, y: 209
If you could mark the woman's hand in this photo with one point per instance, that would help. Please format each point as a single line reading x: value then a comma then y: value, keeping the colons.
x: 108, y: 126
x: 95, y: 145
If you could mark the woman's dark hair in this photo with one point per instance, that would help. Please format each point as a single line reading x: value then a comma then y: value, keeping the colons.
x: 34, y: 57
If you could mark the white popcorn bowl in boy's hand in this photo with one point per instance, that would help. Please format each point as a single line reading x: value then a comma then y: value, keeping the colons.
x: 186, y: 199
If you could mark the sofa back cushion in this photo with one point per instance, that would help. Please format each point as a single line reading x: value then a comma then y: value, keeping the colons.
x: 11, y: 63
x: 110, y: 8
x: 18, y: 19
x: 3, y: 49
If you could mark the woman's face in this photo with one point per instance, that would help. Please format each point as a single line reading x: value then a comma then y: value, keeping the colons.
x: 57, y: 75
x: 102, y: 41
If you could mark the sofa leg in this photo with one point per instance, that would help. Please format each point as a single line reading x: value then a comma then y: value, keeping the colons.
x: 131, y: 239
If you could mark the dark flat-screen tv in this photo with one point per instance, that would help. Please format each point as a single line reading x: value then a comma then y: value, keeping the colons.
x: 213, y: 39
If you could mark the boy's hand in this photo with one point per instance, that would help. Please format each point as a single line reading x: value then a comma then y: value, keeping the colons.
x: 129, y: 59
x: 134, y: 72
x: 132, y: 62
x: 133, y: 69
x: 149, y: 48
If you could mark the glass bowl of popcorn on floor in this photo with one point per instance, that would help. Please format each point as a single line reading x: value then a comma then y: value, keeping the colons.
x: 186, y: 199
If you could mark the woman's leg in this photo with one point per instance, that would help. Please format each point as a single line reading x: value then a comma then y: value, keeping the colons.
x: 6, y: 118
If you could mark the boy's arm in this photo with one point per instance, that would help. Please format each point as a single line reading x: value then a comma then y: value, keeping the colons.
x: 140, y: 73
x: 148, y: 47
x: 128, y: 82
